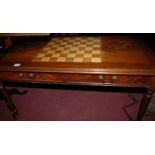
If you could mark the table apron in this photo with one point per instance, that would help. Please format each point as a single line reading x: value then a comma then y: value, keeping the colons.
x: 69, y: 78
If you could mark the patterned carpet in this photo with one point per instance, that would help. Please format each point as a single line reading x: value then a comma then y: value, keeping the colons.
x: 40, y: 104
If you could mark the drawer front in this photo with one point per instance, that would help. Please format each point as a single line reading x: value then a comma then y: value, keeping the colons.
x: 32, y: 77
x: 130, y: 80
x: 111, y: 80
x: 77, y: 78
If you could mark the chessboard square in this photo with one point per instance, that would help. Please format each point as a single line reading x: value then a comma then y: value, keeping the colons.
x: 40, y: 55
x: 75, y: 41
x: 61, y: 59
x: 96, y: 41
x: 81, y: 48
x: 50, y: 43
x: 74, y: 48
x: 87, y: 59
x: 96, y: 52
x: 96, y: 60
x: 96, y: 55
x: 88, y: 48
x: 45, y: 59
x: 71, y: 55
x: 65, y: 52
x: 79, y: 55
x: 88, y: 52
x: 72, y: 52
x: 88, y: 39
x: 51, y: 52
x: 63, y: 44
x: 63, y: 55
x: 80, y: 52
x: 56, y: 55
x: 57, y: 52
x: 93, y: 38
x: 96, y: 48
x: 87, y: 55
x: 85, y: 39
x: 48, y: 55
x: 69, y: 43
x: 66, y: 48
x: 60, y: 48
x: 96, y: 38
x: 78, y: 60
x: 53, y: 48
x: 90, y: 44
x: 55, y: 39
x: 69, y: 59
x: 82, y: 45
x: 53, y: 59
x: 96, y: 45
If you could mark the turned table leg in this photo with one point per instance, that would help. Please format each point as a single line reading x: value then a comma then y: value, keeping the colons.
x: 144, y: 104
x: 9, y: 102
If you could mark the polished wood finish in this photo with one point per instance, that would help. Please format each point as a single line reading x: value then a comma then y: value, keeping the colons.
x: 137, y: 59
x: 126, y: 62
x: 110, y: 80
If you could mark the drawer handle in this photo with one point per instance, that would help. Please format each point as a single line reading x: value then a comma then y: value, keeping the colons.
x: 31, y: 75
x: 20, y: 75
x: 101, y: 77
x: 114, y: 77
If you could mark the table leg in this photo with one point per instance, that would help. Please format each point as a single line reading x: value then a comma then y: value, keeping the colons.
x: 9, y: 102
x: 144, y: 105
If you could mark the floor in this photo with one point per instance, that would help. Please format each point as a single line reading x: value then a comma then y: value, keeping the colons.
x: 55, y: 104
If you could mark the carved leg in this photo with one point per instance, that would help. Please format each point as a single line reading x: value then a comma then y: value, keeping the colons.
x: 9, y: 102
x: 144, y: 105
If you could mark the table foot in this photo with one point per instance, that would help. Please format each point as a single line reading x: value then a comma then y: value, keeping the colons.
x: 9, y: 102
x: 144, y: 105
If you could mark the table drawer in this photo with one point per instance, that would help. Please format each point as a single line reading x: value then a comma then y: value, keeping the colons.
x: 122, y: 80
x: 32, y: 77
x: 130, y: 80
x: 76, y: 78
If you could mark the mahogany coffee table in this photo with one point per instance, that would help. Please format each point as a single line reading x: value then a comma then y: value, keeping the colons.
x: 115, y: 61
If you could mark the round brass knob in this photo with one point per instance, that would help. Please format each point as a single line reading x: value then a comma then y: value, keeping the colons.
x: 21, y: 75
x: 101, y: 77
x: 114, y: 77
x: 31, y: 75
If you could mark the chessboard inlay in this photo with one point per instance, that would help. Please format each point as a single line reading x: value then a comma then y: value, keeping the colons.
x: 71, y: 49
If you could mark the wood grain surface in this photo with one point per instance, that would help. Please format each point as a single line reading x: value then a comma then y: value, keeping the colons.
x: 124, y: 62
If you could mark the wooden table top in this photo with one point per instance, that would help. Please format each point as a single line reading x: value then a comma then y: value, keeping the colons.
x: 95, y: 55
